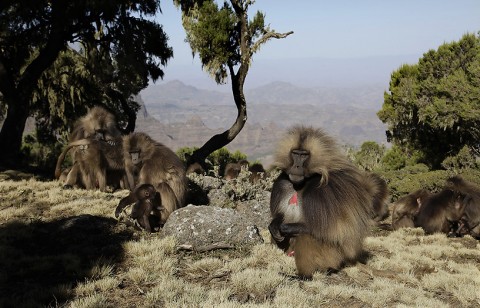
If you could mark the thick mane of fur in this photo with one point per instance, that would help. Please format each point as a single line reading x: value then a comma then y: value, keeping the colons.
x: 345, y: 208
x: 96, y: 118
x: 325, y: 216
x: 325, y: 154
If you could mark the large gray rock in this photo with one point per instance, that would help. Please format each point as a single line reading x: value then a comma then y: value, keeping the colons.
x: 256, y: 211
x: 208, y: 227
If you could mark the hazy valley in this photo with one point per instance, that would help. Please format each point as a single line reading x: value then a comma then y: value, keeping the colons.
x: 181, y: 115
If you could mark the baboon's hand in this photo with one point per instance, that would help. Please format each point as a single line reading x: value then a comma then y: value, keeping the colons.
x: 275, y: 232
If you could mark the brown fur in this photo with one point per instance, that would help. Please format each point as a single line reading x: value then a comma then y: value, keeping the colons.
x: 146, y: 200
x: 232, y: 170
x: 96, y: 163
x: 470, y: 222
x: 438, y: 211
x: 335, y: 201
x: 157, y: 165
x: 98, y: 120
x: 380, y: 196
x: 98, y: 124
x: 195, y: 168
x: 257, y: 172
x: 406, y: 209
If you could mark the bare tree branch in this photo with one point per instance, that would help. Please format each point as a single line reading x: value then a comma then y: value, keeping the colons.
x: 266, y: 37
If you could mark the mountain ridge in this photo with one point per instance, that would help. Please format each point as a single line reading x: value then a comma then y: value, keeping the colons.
x: 182, y: 115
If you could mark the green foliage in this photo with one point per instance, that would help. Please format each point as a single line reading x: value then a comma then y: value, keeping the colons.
x: 39, y: 153
x: 118, y: 48
x: 223, y: 156
x: 369, y: 155
x: 394, y: 159
x: 219, y: 158
x: 433, y: 106
x: 463, y: 160
x: 237, y: 156
x: 404, y: 181
x: 214, y: 33
x: 185, y: 152
x: 209, y: 30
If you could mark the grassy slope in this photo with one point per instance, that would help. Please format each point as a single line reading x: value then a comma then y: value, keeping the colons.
x: 48, y: 260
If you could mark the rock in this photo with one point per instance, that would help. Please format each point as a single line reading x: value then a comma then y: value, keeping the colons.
x: 256, y: 211
x: 204, y: 228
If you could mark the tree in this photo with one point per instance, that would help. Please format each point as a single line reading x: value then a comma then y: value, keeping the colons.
x: 121, y: 48
x: 434, y: 105
x: 225, y: 40
x: 369, y: 155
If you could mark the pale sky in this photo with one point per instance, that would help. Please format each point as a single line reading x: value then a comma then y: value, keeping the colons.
x: 335, y: 30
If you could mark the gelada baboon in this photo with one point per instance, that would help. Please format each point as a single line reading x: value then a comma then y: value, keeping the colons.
x: 232, y: 170
x: 321, y: 201
x: 98, y: 163
x: 195, y: 168
x: 156, y: 164
x: 380, y: 195
x: 470, y: 221
x: 97, y: 124
x: 406, y: 209
x: 440, y: 212
x: 146, y: 201
x: 257, y: 172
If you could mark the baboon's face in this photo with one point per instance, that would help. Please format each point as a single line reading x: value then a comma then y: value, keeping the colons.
x: 298, y: 171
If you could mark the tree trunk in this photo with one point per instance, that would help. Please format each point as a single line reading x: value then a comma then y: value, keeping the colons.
x: 220, y: 140
x: 12, y: 133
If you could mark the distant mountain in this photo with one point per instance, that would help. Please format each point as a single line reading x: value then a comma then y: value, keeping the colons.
x: 175, y: 93
x: 181, y: 115
x: 304, y: 72
x: 287, y: 94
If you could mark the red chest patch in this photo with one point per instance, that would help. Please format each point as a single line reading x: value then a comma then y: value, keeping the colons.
x: 293, y: 200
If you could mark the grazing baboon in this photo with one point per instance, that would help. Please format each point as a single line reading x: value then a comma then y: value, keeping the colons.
x: 257, y: 172
x: 439, y: 211
x: 156, y: 164
x: 406, y: 209
x: 97, y: 124
x: 380, y: 207
x: 232, y: 170
x: 321, y: 200
x: 195, y: 168
x: 146, y: 200
x: 470, y: 221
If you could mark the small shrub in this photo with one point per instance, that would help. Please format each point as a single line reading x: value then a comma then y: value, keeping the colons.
x: 463, y: 160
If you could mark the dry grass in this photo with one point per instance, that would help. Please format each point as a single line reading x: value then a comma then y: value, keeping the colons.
x: 45, y: 263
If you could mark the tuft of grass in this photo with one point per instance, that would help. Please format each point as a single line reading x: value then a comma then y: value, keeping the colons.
x: 258, y: 285
x: 92, y: 301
